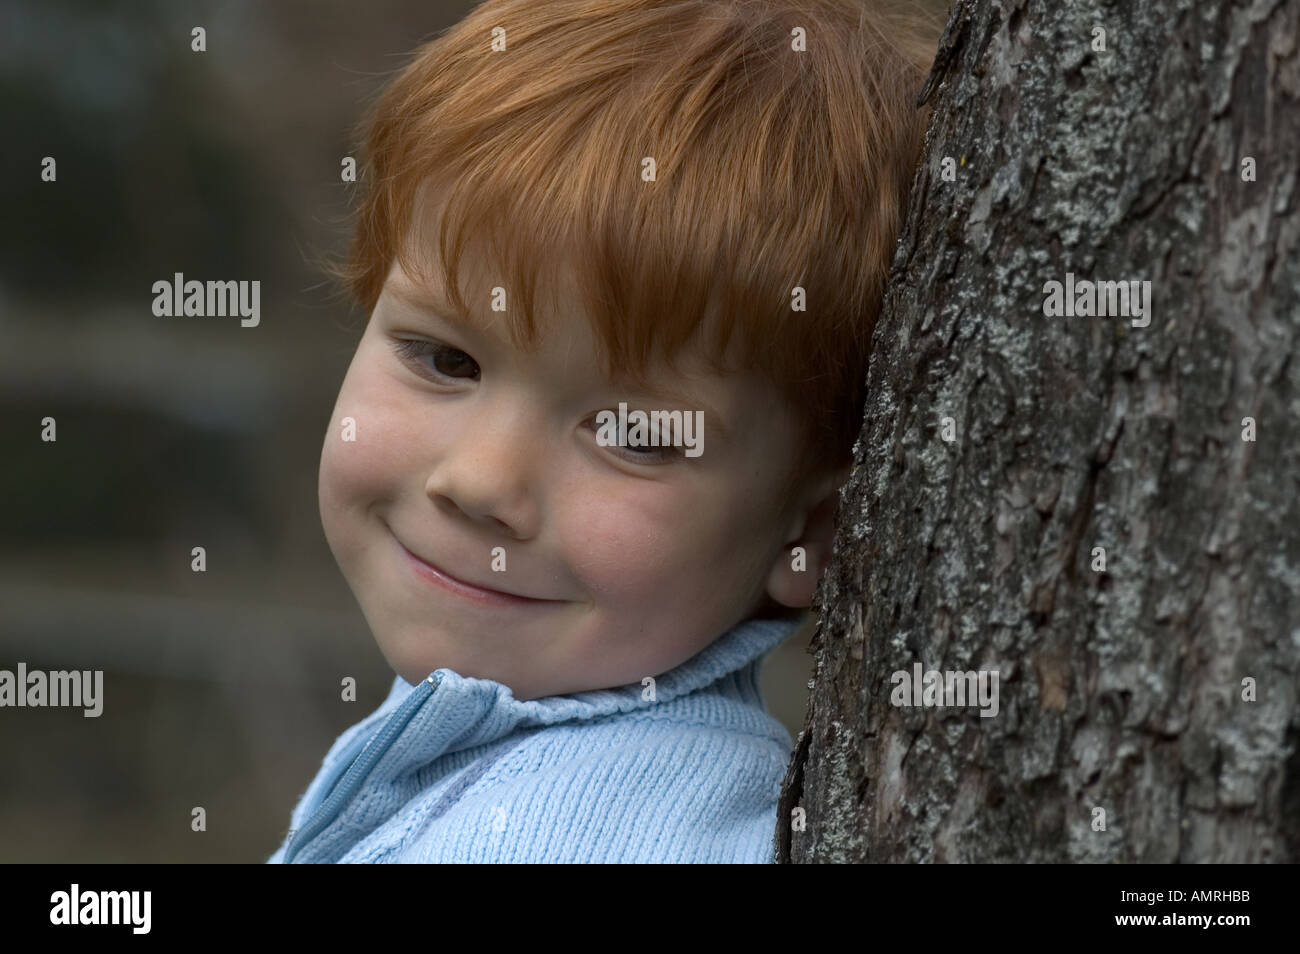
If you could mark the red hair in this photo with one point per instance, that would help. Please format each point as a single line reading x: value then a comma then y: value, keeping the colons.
x: 775, y: 168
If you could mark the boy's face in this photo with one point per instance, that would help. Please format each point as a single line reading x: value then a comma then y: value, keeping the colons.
x: 619, y: 562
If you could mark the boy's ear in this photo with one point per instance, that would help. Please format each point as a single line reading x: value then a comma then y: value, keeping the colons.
x: 793, y: 578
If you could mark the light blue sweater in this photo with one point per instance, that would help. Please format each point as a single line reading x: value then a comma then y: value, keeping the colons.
x: 458, y: 770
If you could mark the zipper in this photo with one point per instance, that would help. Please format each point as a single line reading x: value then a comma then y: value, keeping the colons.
x: 346, y: 786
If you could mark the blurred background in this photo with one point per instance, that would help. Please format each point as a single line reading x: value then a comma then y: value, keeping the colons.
x: 221, y: 688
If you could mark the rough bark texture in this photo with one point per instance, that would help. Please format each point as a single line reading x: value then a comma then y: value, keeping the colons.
x: 1120, y: 690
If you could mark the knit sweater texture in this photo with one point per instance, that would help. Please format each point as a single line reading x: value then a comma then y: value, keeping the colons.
x: 455, y: 769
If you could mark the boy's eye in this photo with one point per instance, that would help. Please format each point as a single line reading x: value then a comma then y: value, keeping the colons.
x: 448, y: 362
x: 645, y: 453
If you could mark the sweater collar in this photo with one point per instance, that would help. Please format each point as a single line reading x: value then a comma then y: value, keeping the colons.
x: 465, y: 711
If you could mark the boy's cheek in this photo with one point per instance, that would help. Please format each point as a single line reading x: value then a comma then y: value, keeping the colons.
x: 356, y: 480
x: 347, y: 472
x: 627, y: 559
x: 357, y: 456
x: 342, y: 504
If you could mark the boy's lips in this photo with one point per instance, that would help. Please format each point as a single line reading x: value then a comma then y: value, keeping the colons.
x: 435, y: 574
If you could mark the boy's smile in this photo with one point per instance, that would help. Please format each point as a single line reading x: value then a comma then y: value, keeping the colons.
x: 484, y: 529
x: 481, y: 595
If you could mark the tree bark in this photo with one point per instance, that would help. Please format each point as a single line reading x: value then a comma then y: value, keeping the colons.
x: 1125, y: 690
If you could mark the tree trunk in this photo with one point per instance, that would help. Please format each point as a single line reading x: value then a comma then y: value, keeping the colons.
x: 1146, y: 695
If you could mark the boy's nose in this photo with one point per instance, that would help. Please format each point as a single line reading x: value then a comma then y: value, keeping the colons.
x: 487, y: 475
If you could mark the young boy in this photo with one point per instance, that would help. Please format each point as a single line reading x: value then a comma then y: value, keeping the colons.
x: 576, y: 613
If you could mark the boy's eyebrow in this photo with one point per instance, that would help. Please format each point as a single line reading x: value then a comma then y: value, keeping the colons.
x: 428, y: 301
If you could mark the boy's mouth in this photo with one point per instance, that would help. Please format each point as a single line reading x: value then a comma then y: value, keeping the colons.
x: 482, y: 595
